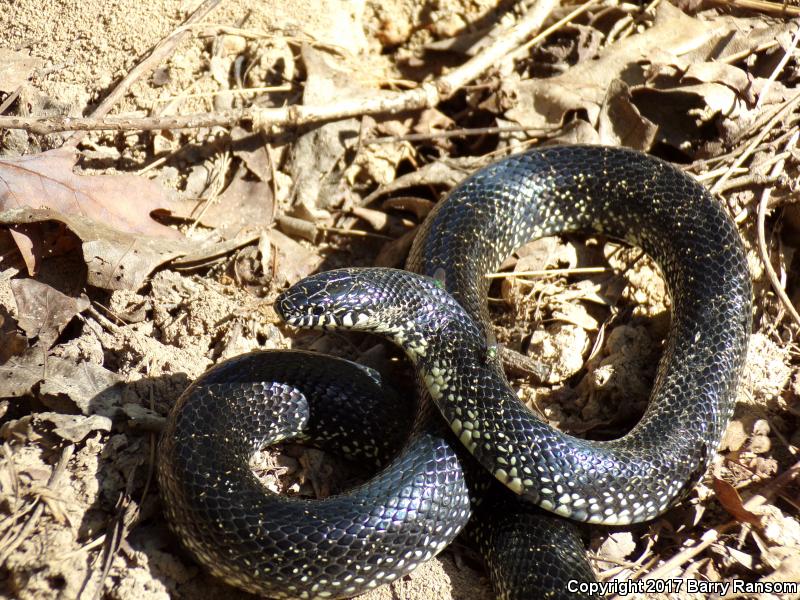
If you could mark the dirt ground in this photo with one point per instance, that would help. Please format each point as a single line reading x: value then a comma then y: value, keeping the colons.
x: 111, y: 305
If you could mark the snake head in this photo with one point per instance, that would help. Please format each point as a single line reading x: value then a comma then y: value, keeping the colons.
x: 407, y: 308
x: 364, y: 299
x: 338, y: 299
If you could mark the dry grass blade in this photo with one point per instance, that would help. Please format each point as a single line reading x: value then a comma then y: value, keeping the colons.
x: 548, y: 272
x: 779, y: 67
x: 744, y: 154
x: 38, y: 506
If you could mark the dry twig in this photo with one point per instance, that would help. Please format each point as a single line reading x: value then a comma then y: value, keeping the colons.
x: 712, y: 535
x: 547, y: 272
x: 464, y: 132
x: 778, y: 68
x: 763, y: 250
x: 427, y: 95
x: 160, y: 52
x: 780, y: 9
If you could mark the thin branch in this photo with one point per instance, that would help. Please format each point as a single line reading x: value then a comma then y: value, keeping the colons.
x: 787, y: 106
x: 737, y: 56
x: 763, y: 250
x: 548, y: 272
x: 427, y: 95
x: 160, y: 52
x: 781, y: 9
x: 465, y: 132
x: 778, y: 68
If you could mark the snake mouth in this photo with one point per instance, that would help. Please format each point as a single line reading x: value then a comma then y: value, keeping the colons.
x: 297, y: 310
x: 304, y: 322
x: 309, y: 317
x: 323, y: 321
x: 294, y: 308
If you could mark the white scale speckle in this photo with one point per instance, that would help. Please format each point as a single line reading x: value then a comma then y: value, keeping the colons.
x: 563, y: 510
x: 515, y: 485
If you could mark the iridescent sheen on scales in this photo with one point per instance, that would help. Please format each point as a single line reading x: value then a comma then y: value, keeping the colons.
x: 439, y: 317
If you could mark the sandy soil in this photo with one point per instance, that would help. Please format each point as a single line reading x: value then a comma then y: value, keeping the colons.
x: 96, y: 527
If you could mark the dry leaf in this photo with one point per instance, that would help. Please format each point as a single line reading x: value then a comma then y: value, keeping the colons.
x: 537, y: 255
x: 681, y: 112
x: 544, y: 102
x: 377, y: 219
x: 440, y: 173
x: 748, y: 561
x: 244, y: 208
x: 394, y: 253
x: 620, y: 123
x: 91, y: 388
x: 731, y: 501
x: 75, y: 428
x: 419, y: 206
x: 618, y: 547
x: 293, y: 260
x: 115, y: 259
x: 12, y: 342
x: 122, y: 244
x: 315, y: 160
x: 716, y: 72
x: 47, y: 180
x: 43, y: 311
x: 734, y: 438
x: 577, y: 315
x: 142, y: 418
x: 250, y: 148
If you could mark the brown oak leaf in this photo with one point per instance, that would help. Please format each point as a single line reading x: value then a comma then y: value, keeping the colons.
x: 109, y: 214
x: 47, y: 180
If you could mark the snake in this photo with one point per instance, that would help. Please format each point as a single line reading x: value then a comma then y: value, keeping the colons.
x: 437, y: 313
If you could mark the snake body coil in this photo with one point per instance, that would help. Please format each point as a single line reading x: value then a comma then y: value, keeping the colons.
x: 271, y: 545
x: 441, y: 322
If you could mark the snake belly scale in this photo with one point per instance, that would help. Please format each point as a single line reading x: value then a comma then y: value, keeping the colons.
x: 439, y: 317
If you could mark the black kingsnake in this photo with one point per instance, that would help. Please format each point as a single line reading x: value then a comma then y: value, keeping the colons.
x: 381, y: 530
